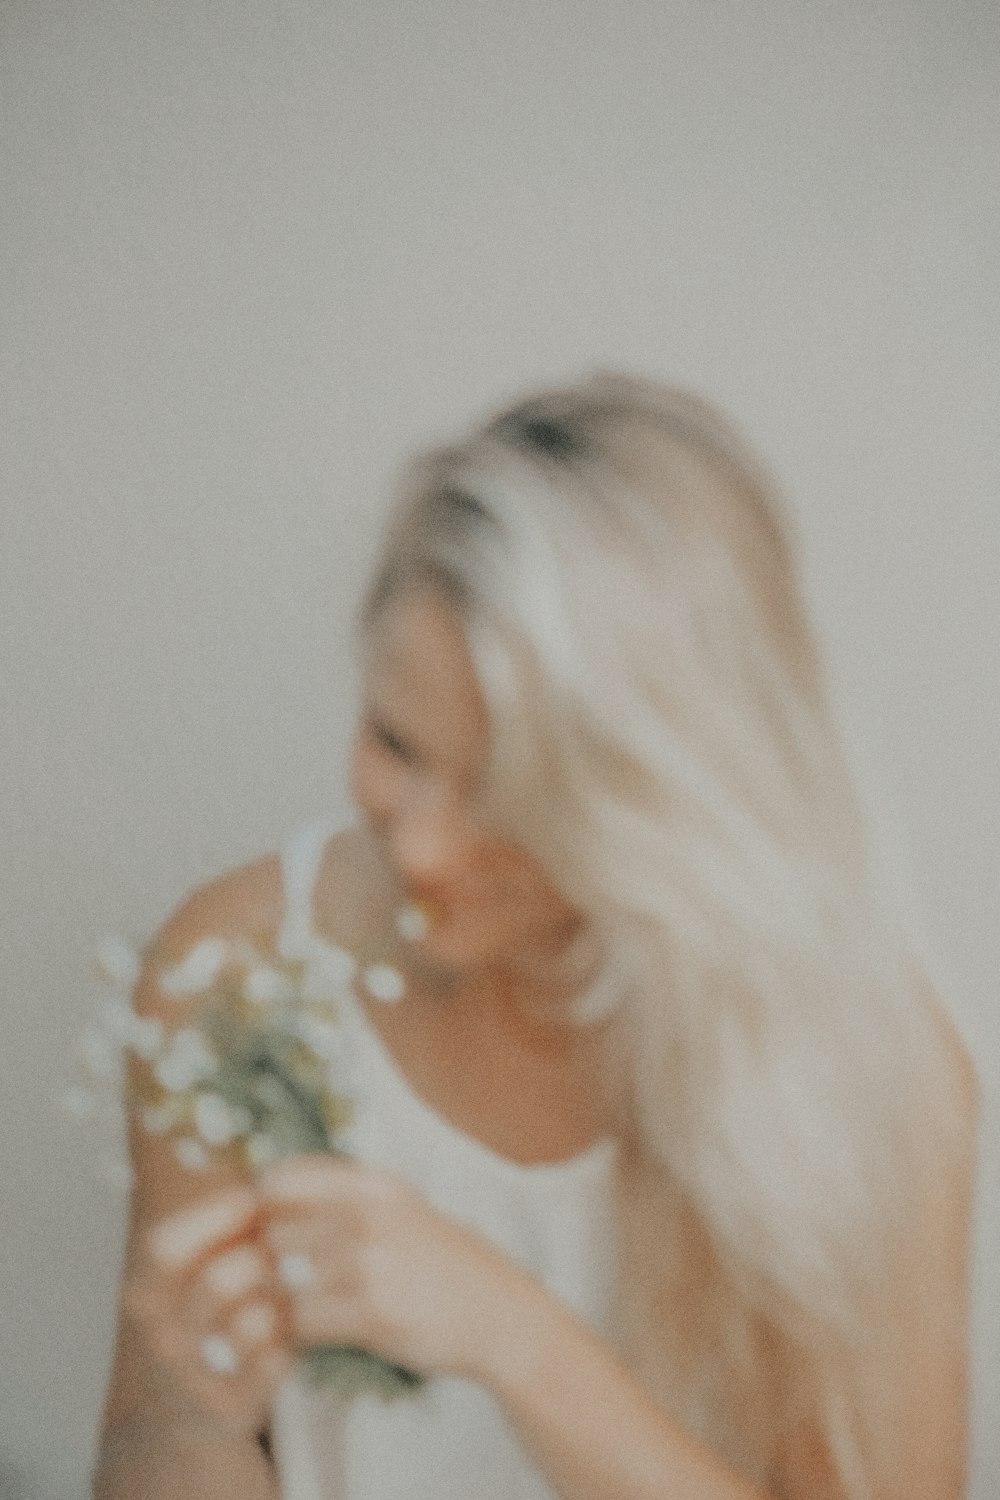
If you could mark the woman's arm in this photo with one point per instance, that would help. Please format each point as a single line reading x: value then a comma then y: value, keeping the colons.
x: 156, y: 1441
x: 588, y: 1424
x: 163, y: 1432
x: 594, y: 1432
x: 158, y: 1453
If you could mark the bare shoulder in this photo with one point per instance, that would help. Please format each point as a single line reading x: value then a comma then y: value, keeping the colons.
x: 243, y: 902
x: 248, y: 902
x: 962, y: 1072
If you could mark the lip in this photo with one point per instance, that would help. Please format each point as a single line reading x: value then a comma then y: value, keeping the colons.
x: 430, y: 898
x: 432, y: 903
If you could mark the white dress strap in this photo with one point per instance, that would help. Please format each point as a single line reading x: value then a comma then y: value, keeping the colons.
x: 297, y: 1452
x: 301, y: 858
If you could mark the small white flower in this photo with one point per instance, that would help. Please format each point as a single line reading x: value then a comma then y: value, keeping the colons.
x: 219, y: 1354
x: 295, y: 938
x: 147, y: 1037
x: 200, y: 968
x: 99, y: 1053
x: 144, y: 1035
x: 412, y: 923
x: 297, y: 1271
x: 261, y: 1150
x: 384, y: 983
x: 192, y: 1046
x: 191, y: 1154
x: 173, y: 1074
x: 217, y: 1121
x: 79, y: 1103
x: 118, y: 962
x: 212, y: 1120
x: 329, y: 970
x: 187, y: 1060
x: 266, y: 986
x: 322, y: 1037
x: 117, y: 1022
x: 158, y: 1118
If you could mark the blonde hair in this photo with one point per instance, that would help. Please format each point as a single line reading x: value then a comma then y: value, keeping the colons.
x: 627, y: 579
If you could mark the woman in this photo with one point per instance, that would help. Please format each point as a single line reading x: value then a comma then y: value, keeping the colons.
x: 667, y: 1171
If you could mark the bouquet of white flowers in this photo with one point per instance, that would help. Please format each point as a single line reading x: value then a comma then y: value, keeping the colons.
x: 254, y: 1074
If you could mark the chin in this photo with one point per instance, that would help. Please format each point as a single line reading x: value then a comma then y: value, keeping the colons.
x: 453, y: 946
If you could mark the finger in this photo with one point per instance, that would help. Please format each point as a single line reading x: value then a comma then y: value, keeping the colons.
x: 234, y: 1273
x: 232, y: 1313
x: 332, y: 1315
x: 177, y: 1242
x: 313, y: 1251
x: 227, y: 1347
x: 252, y: 1331
x: 229, y: 1364
x: 243, y: 1398
x: 255, y: 1324
x: 224, y: 1283
x: 303, y: 1180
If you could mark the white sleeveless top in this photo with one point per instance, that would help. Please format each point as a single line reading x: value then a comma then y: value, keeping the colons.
x: 451, y: 1440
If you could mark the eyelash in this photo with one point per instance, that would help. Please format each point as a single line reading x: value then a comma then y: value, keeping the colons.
x: 392, y: 743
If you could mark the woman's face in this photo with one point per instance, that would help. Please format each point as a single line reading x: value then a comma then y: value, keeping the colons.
x: 419, y: 757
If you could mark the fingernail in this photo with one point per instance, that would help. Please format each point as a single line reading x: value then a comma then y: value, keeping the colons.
x: 235, y: 1273
x: 296, y: 1271
x: 179, y: 1239
x: 218, y: 1354
x: 255, y: 1323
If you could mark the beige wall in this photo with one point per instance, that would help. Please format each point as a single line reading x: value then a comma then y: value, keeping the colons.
x: 250, y: 253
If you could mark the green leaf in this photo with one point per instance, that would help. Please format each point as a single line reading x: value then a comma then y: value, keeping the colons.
x: 352, y: 1372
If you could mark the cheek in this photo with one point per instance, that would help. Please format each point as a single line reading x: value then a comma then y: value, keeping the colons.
x: 521, y: 886
x: 373, y: 781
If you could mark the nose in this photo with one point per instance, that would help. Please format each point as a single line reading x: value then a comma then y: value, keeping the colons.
x: 430, y: 839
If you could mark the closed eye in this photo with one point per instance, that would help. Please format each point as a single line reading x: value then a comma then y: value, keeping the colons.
x: 392, y: 742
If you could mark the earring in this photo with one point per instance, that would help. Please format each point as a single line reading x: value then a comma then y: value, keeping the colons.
x: 412, y: 923
x: 383, y: 981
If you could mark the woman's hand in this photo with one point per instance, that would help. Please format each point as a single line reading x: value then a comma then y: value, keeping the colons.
x: 319, y: 1251
x: 371, y: 1263
x: 203, y: 1294
x: 366, y: 1261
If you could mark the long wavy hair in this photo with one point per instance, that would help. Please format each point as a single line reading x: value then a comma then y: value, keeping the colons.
x: 627, y: 579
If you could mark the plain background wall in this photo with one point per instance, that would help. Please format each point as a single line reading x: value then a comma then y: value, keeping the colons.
x: 251, y: 253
